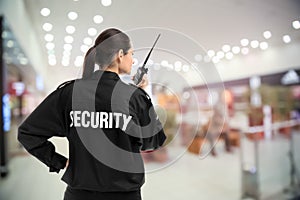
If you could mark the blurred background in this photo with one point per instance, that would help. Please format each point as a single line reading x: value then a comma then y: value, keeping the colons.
x: 224, y: 79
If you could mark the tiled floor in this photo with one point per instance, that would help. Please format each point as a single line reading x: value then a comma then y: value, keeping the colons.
x: 187, y: 178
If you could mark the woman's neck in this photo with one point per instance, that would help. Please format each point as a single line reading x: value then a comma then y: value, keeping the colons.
x: 112, y: 68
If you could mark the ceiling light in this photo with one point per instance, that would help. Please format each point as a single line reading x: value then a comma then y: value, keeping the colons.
x: 68, y: 47
x: 72, y: 15
x: 69, y: 39
x: 286, y: 39
x: 267, y: 34
x: 79, y: 61
x: 92, y: 31
x: 177, y: 66
x: 211, y: 53
x: 229, y: 55
x: 164, y: 63
x: 185, y: 68
x: 49, y: 37
x: 10, y: 43
x: 23, y: 61
x: 236, y: 49
x: 4, y: 34
x: 106, y: 2
x: 263, y: 45
x: 220, y: 54
x: 65, y: 63
x: 98, y: 19
x: 198, y: 57
x: 45, y: 12
x: 52, y: 62
x: 70, y: 29
x: 88, y: 41
x: 254, y: 44
x: 50, y: 46
x: 245, y: 50
x: 84, y: 48
x: 226, y: 48
x: 47, y: 26
x: 244, y: 42
x: 296, y: 24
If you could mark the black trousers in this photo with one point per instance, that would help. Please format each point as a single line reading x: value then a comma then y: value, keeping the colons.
x: 78, y: 194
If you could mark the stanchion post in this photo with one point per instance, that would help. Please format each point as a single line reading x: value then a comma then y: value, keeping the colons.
x: 293, y: 189
x: 250, y: 176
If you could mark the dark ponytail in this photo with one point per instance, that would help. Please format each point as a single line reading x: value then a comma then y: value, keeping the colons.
x: 107, y: 44
x: 89, y: 62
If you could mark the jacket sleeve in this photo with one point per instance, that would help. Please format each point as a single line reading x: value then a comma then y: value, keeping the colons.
x: 152, y: 132
x: 46, y: 121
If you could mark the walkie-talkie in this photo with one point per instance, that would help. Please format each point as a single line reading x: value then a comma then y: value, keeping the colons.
x: 141, y: 71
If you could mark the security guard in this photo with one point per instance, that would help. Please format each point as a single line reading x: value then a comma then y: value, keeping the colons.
x: 106, y: 121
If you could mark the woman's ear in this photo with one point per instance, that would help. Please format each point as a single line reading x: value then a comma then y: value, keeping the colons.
x: 120, y: 54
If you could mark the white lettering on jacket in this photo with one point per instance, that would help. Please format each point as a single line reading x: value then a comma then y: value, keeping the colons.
x: 92, y: 119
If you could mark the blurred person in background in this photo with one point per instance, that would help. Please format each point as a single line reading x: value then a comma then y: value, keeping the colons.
x: 216, y: 126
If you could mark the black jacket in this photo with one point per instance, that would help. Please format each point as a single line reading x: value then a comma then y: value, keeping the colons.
x: 107, y: 123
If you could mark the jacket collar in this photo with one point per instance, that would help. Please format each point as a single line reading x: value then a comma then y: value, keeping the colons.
x: 105, y: 75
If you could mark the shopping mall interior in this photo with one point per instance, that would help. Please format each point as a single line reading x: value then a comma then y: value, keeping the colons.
x: 224, y: 79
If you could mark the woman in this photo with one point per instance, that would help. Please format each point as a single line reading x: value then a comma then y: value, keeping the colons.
x: 215, y: 127
x: 107, y: 123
